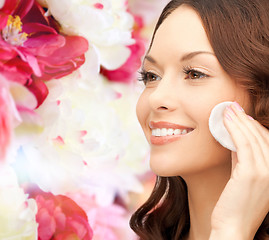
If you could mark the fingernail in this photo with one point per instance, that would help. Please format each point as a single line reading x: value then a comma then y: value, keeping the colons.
x: 228, y: 117
x: 229, y: 113
x: 238, y: 107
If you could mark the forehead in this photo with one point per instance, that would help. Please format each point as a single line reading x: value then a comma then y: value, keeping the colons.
x: 181, y: 32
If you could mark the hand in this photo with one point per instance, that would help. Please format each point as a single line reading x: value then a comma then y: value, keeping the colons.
x: 244, y: 201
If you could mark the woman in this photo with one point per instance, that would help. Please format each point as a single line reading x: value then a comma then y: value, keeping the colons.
x: 203, y: 53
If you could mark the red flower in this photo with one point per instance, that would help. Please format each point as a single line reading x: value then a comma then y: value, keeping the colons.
x: 60, y: 218
x: 7, y: 9
x: 126, y: 73
x: 32, y: 50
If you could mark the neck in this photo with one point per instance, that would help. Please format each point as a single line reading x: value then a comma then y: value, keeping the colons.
x: 204, y: 190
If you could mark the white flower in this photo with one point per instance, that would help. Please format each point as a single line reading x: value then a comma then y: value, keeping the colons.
x: 105, y: 24
x: 125, y: 107
x: 150, y: 10
x: 17, y: 212
x: 24, y: 102
x: 15, y: 100
x: 2, y: 3
x: 9, y: 90
x: 80, y: 143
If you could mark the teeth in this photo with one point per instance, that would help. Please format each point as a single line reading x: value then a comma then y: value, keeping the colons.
x: 164, y: 132
x: 184, y: 131
x: 177, y: 132
x: 168, y: 132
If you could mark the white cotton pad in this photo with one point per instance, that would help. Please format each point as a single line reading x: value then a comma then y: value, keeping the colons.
x: 217, y: 128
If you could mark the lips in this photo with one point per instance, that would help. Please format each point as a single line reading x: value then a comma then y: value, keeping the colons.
x: 154, y: 125
x: 166, y: 132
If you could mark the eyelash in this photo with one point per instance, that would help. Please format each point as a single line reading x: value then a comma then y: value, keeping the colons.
x: 189, y: 70
x: 144, y: 75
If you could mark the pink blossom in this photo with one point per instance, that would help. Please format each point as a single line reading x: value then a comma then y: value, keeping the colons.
x: 126, y: 73
x: 108, y: 222
x: 60, y: 218
x: 5, y: 121
x: 6, y: 10
x: 32, y: 50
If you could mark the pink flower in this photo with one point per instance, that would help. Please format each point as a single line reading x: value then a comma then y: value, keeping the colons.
x: 5, y: 120
x: 32, y: 50
x: 108, y: 222
x: 126, y: 73
x: 60, y: 218
x: 9, y: 5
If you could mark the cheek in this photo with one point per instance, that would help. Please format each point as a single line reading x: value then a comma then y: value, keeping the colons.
x: 201, y: 105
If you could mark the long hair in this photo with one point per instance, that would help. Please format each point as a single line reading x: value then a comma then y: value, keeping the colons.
x: 238, y: 31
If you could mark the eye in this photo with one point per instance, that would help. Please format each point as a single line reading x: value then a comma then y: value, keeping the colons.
x: 148, y: 77
x: 194, y: 74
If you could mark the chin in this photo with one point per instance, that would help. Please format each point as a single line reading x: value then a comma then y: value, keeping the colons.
x: 166, y: 168
x: 166, y: 165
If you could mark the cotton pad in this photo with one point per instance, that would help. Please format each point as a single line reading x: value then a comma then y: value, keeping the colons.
x: 217, y: 128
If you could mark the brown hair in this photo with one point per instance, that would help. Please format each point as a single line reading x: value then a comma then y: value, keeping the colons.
x: 238, y: 31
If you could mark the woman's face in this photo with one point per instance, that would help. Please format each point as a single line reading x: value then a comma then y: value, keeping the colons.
x: 184, y: 81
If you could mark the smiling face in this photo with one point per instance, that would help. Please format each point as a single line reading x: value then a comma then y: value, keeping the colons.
x: 183, y: 82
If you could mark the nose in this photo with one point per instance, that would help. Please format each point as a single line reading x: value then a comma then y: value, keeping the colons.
x: 164, y: 97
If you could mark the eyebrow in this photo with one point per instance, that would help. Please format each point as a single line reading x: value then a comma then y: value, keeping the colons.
x: 191, y: 55
x: 149, y: 58
x: 185, y: 57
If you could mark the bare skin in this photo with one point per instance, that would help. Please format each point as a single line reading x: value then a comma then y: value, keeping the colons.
x: 184, y: 81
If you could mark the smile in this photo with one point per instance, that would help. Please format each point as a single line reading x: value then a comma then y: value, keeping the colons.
x: 169, y: 132
x: 165, y: 132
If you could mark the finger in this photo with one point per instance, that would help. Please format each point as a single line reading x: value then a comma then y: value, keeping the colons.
x: 242, y: 144
x: 248, y: 148
x: 262, y: 130
x: 264, y: 140
x: 253, y: 125
x: 255, y: 130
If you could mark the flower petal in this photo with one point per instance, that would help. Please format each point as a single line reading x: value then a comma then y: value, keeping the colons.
x: 16, y: 70
x: 44, y: 45
x: 22, y: 96
x: 64, y: 60
x: 7, y: 52
x: 24, y: 7
x: 37, y: 28
x: 3, y: 20
x: 64, y: 217
x: 48, y: 226
x: 114, y: 57
x: 2, y: 3
x: 5, y: 122
x: 9, y: 6
x: 74, y: 46
x: 32, y: 61
x: 40, y: 90
x: 37, y: 14
x: 126, y: 73
x: 17, y: 218
x: 58, y: 71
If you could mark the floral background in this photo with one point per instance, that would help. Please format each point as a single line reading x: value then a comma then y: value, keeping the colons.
x: 73, y: 159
